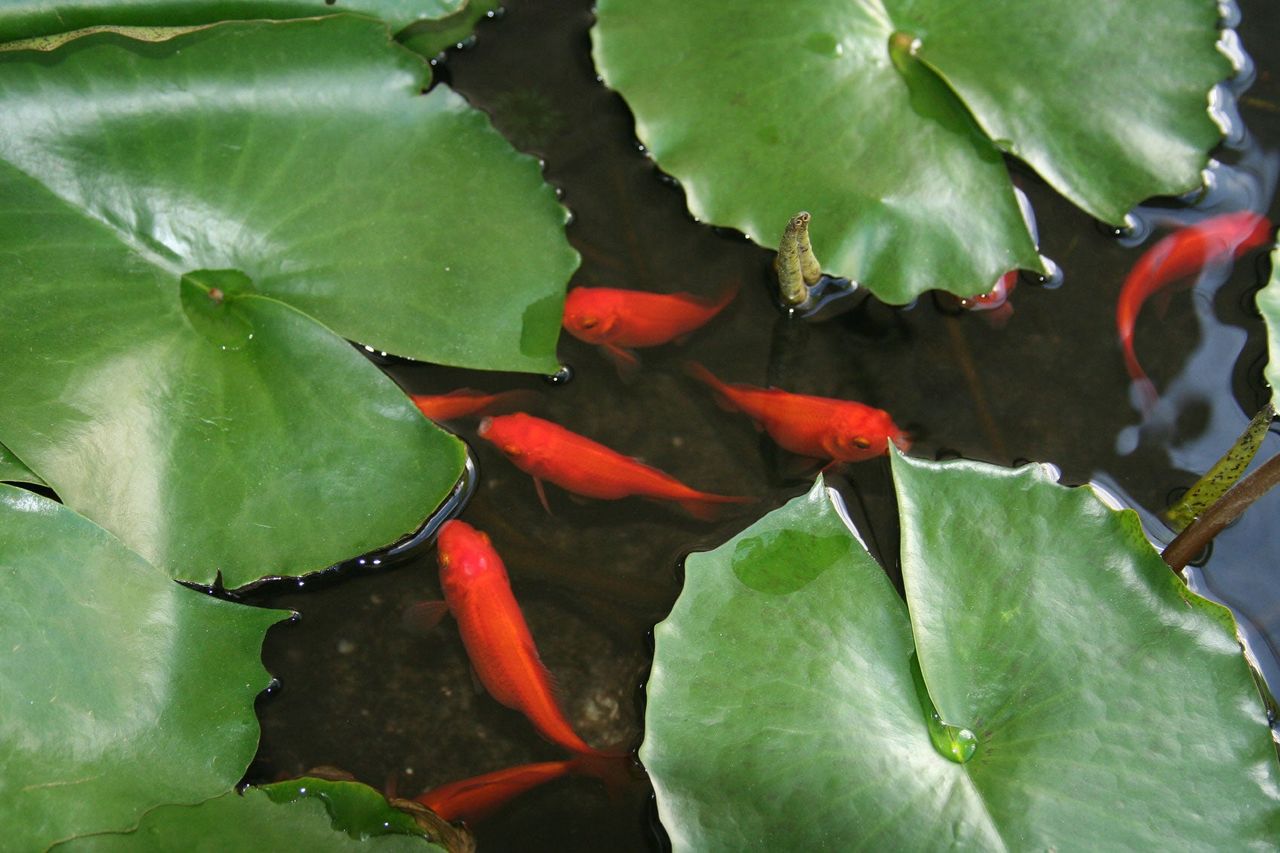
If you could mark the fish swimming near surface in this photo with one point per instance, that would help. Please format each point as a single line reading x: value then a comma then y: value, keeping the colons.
x: 995, y: 301
x: 817, y: 427
x: 466, y: 401
x: 478, y: 797
x: 549, y: 452
x: 477, y: 592
x: 618, y: 320
x: 1176, y: 256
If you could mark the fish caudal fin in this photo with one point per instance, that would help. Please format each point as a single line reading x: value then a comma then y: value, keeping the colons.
x: 708, y: 508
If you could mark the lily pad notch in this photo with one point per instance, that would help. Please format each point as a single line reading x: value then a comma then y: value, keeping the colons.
x: 889, y: 121
x: 1070, y: 690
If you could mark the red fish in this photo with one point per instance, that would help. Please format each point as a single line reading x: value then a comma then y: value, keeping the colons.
x: 550, y: 452
x: 995, y: 300
x: 476, y: 798
x: 499, y: 645
x: 1178, y: 255
x: 617, y: 319
x: 818, y: 427
x: 465, y: 401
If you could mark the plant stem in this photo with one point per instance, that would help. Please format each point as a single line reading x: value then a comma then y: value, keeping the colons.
x: 1223, y: 511
x: 1224, y: 473
x: 790, y: 262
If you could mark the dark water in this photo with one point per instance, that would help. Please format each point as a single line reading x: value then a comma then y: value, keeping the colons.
x: 361, y: 693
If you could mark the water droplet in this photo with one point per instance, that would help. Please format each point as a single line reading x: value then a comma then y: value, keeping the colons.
x: 824, y: 44
x: 562, y: 376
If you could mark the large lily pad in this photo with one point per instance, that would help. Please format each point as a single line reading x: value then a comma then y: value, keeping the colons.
x: 168, y: 209
x: 32, y: 18
x: 1098, y: 702
x: 266, y: 819
x: 887, y: 120
x: 119, y: 689
x: 1269, y: 306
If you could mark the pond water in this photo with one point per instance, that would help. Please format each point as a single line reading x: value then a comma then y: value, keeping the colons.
x: 362, y: 693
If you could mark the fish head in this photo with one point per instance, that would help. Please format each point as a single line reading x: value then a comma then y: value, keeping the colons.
x: 519, y: 436
x: 589, y: 315
x: 863, y: 434
x: 465, y: 554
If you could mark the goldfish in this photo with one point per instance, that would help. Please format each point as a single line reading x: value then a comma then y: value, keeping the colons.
x: 548, y: 451
x: 1178, y: 255
x: 476, y: 798
x: 616, y: 320
x: 995, y: 300
x: 478, y: 594
x: 817, y: 427
x: 465, y: 401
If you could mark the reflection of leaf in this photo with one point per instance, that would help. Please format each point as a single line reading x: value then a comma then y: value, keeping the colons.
x: 159, y: 241
x: 119, y: 689
x: 432, y: 37
x: 270, y: 818
x: 12, y: 469
x: 895, y: 144
x: 28, y: 18
x: 1269, y: 305
x: 1110, y: 706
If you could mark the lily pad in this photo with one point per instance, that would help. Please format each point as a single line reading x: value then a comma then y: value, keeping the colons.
x: 119, y: 689
x: 1051, y: 685
x: 169, y: 245
x: 430, y: 38
x: 888, y: 120
x: 33, y: 18
x: 267, y: 819
x: 14, y: 470
x: 1269, y: 306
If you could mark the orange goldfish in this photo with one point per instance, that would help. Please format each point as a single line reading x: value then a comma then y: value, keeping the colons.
x: 499, y: 645
x: 465, y: 401
x: 1181, y: 253
x: 818, y: 427
x: 550, y: 452
x: 617, y: 319
x: 476, y: 798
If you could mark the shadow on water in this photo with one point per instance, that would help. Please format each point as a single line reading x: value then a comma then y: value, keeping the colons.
x: 360, y: 692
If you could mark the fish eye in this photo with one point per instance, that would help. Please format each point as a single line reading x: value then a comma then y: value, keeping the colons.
x: 589, y: 322
x: 511, y: 450
x: 859, y: 441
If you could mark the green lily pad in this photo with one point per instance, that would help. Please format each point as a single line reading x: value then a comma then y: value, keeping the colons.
x: 266, y: 819
x: 1084, y: 697
x: 34, y: 18
x: 119, y: 689
x: 167, y: 262
x: 14, y: 470
x: 1269, y: 306
x: 887, y: 121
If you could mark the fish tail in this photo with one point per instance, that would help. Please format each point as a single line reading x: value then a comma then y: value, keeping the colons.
x: 707, y: 507
x: 476, y: 798
x: 727, y: 294
x: 616, y: 770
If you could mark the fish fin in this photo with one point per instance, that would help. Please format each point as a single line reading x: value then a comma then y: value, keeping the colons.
x: 476, y: 684
x: 625, y: 361
x: 998, y: 318
x: 423, y: 617
x: 706, y: 377
x: 615, y: 768
x: 542, y: 495
x: 708, y: 509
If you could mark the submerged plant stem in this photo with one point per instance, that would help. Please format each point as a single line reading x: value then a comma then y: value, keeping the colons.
x: 1224, y: 511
